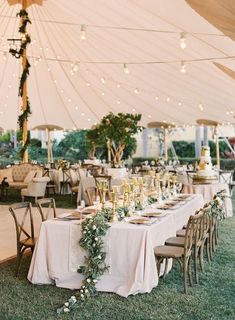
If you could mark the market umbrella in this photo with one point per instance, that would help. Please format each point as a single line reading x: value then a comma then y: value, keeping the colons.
x: 214, y: 124
x: 164, y: 126
x: 48, y: 128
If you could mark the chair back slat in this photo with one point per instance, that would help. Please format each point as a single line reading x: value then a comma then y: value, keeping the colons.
x: 46, y: 208
x: 91, y: 193
x: 21, y: 220
x: 193, y: 232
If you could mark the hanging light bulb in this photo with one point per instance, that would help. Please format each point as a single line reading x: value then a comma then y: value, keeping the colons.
x: 75, y: 67
x: 183, y: 67
x: 83, y: 32
x: 183, y: 43
x: 136, y: 91
x: 126, y: 70
x: 201, y: 107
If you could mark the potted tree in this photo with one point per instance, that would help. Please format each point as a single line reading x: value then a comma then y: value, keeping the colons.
x: 116, y: 131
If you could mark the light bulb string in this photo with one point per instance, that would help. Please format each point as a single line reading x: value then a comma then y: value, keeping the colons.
x: 55, y: 86
x: 91, y: 110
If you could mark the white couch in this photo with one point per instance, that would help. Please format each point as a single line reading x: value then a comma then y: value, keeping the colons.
x: 19, y: 176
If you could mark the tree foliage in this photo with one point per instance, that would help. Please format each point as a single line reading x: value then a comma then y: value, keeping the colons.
x: 115, y: 131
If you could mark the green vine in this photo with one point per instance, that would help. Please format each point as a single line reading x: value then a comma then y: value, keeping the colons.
x: 25, y: 41
x: 93, y: 231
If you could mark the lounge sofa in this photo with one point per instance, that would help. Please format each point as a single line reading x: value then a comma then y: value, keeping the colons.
x: 19, y: 176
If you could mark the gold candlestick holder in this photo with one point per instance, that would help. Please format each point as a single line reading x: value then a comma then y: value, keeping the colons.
x: 113, y: 199
x: 152, y: 174
x: 102, y: 186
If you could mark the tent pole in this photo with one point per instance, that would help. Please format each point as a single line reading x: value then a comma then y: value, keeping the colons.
x: 165, y: 144
x: 24, y: 96
x: 48, y: 146
x: 217, y: 147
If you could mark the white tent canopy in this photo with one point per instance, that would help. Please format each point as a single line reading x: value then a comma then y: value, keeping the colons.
x: 74, y: 82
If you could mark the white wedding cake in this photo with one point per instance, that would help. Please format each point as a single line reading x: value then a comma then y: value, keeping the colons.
x: 204, y: 169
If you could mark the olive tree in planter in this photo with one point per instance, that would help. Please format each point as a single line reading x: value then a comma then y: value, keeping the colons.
x: 116, y: 132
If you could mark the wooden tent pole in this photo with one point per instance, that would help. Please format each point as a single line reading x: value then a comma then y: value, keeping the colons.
x: 24, y: 96
x: 165, y: 144
x: 48, y: 146
x: 217, y: 147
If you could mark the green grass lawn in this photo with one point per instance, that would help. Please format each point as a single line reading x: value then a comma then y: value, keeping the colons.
x: 213, y: 299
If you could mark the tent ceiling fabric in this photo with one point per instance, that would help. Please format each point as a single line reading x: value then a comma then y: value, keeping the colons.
x: 74, y: 82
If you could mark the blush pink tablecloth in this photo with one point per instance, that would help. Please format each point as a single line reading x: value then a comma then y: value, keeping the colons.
x: 208, y: 191
x: 129, y: 252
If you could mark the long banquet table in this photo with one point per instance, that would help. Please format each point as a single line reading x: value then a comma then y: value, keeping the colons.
x: 208, y: 191
x: 129, y: 251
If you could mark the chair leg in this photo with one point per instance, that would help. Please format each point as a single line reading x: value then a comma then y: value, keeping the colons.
x: 208, y: 248
x: 184, y: 275
x: 201, y: 256
x: 190, y: 272
x: 19, y: 257
x: 216, y: 232
x: 166, y: 267
x: 195, y: 255
x: 211, y: 244
x: 159, y: 262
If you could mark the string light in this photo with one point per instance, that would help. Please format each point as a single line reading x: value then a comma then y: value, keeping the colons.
x: 118, y: 85
x: 183, y: 43
x: 180, y: 103
x: 83, y: 32
x: 156, y: 98
x: 201, y: 107
x: 102, y: 80
x: 136, y: 91
x: 75, y: 66
x: 183, y: 67
x: 168, y: 99
x: 125, y: 68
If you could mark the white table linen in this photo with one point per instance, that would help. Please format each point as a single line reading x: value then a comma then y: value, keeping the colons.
x: 208, y: 191
x: 129, y: 250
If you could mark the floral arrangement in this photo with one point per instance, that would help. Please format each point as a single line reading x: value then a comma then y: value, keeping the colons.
x: 151, y: 200
x: 62, y: 164
x: 93, y: 231
x: 122, y: 212
x: 217, y: 206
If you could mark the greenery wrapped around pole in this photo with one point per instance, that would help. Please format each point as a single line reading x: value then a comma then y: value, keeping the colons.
x: 18, y: 54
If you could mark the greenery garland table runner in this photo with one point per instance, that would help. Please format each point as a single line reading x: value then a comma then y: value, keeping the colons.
x: 208, y: 191
x: 129, y: 252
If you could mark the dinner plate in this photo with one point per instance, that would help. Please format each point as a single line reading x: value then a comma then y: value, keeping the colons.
x: 68, y: 218
x: 153, y: 214
x: 140, y: 221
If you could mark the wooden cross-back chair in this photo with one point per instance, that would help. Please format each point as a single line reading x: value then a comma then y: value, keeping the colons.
x: 181, y: 254
x: 91, y: 193
x: 46, y: 208
x: 25, y: 239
